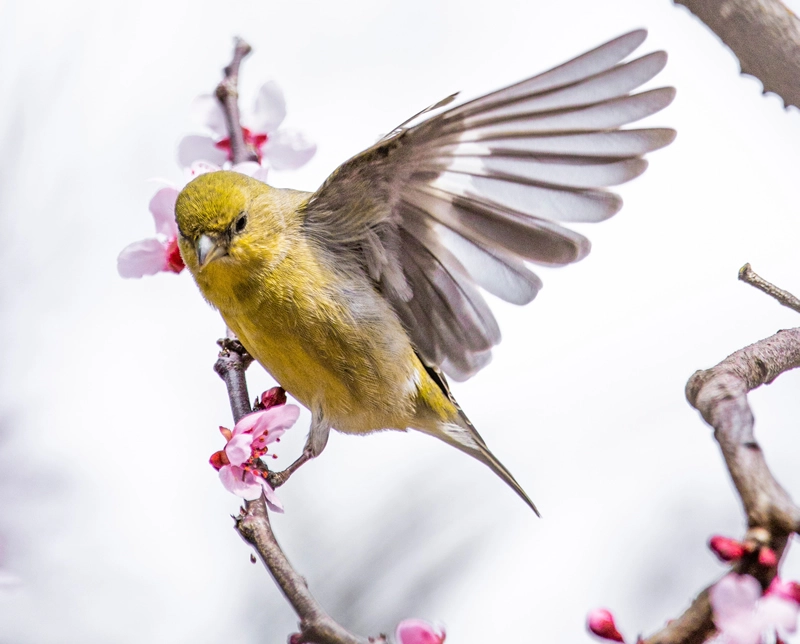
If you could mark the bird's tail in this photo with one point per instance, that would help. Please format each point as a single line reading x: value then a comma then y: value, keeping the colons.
x: 463, y: 435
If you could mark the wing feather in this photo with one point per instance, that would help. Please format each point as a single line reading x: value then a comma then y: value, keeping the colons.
x: 462, y: 199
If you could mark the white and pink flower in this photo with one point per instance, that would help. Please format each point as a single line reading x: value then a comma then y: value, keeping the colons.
x: 276, y: 147
x: 156, y: 254
x: 246, y: 444
x: 743, y: 616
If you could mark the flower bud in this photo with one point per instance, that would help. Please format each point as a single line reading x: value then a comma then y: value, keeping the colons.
x: 272, y: 398
x: 767, y: 557
x: 218, y: 460
x: 727, y: 549
x: 601, y: 622
x: 417, y: 631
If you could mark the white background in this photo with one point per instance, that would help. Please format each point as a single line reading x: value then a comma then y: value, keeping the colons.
x: 110, y: 515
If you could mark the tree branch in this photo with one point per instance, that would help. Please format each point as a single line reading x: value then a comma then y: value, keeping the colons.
x: 720, y: 395
x: 749, y: 276
x: 763, y: 34
x: 228, y: 95
x: 253, y: 523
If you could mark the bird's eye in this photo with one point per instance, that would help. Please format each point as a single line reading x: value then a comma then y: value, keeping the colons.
x: 241, y: 222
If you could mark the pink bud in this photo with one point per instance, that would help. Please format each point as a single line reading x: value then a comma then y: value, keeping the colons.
x: 767, y: 557
x: 218, y: 460
x: 417, y: 631
x: 727, y: 549
x: 601, y: 622
x: 272, y: 398
x: 785, y: 589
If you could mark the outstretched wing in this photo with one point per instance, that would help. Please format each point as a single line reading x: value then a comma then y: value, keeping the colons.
x: 463, y: 199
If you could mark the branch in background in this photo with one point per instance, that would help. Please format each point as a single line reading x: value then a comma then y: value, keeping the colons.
x: 253, y: 523
x: 748, y: 275
x: 763, y: 34
x: 720, y: 395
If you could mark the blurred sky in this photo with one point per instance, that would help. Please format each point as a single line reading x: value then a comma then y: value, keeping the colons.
x: 111, y: 517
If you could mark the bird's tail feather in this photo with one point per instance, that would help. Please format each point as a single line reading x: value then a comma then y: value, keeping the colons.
x: 463, y: 436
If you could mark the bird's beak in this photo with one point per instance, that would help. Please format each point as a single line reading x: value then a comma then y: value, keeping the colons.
x: 209, y: 249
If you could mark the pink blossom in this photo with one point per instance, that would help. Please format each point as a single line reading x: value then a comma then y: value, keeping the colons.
x: 743, y: 616
x: 786, y: 589
x: 417, y: 631
x: 237, y: 462
x: 156, y: 254
x: 600, y: 621
x: 160, y: 254
x: 276, y: 147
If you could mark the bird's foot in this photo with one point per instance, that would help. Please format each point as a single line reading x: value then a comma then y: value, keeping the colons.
x: 276, y: 479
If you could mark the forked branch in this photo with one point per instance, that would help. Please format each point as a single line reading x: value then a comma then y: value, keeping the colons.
x: 720, y: 395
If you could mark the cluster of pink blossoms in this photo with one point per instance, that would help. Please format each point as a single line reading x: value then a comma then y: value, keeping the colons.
x: 238, y: 463
x: 276, y: 147
x: 742, y: 613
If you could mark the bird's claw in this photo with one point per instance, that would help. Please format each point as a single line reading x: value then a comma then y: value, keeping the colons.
x: 276, y: 479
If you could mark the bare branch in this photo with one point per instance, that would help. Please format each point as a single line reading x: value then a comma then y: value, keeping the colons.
x: 316, y: 625
x: 763, y: 34
x: 720, y: 395
x: 228, y: 94
x: 231, y: 364
x: 748, y: 275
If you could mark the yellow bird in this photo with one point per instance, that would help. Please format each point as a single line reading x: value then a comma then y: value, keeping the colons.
x: 358, y: 297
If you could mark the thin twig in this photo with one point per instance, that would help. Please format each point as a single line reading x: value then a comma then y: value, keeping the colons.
x: 228, y: 95
x: 748, y: 275
x: 253, y: 523
x: 720, y: 395
x: 763, y: 34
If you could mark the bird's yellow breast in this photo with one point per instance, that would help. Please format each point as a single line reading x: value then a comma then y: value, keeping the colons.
x: 329, y: 338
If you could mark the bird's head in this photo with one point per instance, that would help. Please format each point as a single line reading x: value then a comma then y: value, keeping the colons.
x: 233, y: 227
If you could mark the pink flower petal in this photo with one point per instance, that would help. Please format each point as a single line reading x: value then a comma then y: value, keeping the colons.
x: 145, y: 257
x: 239, y: 449
x: 270, y: 109
x: 275, y: 421
x: 249, y: 168
x: 733, y: 596
x: 200, y: 167
x: 246, y: 423
x: 241, y: 483
x: 272, y: 499
x: 288, y: 150
x: 162, y: 207
x: 196, y: 147
x: 776, y: 613
x: 205, y: 110
x: 786, y: 589
x: 417, y: 631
